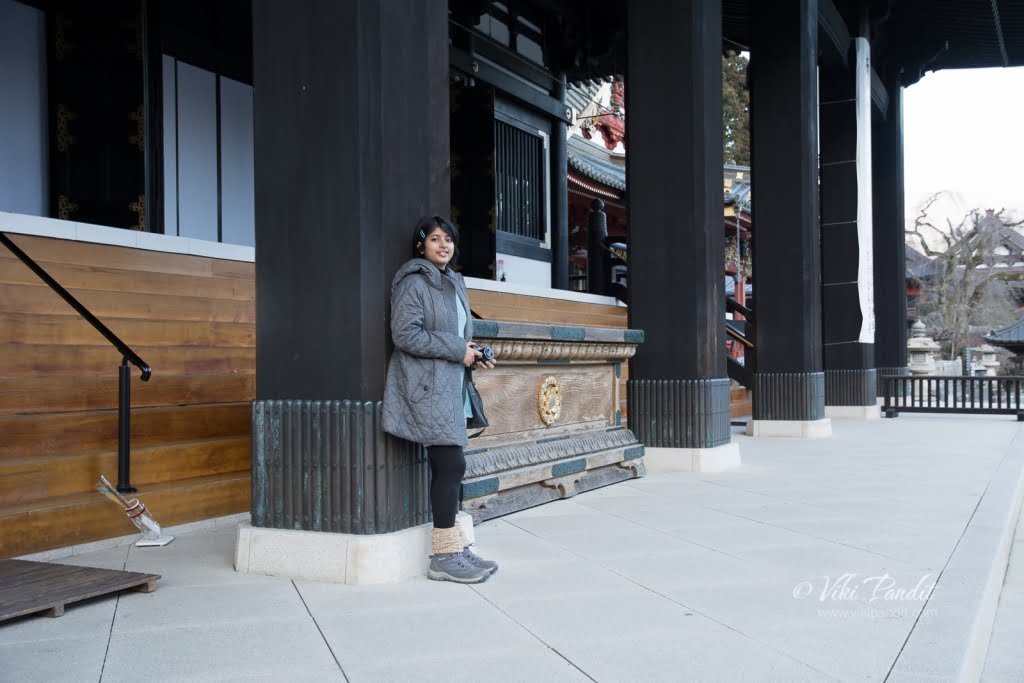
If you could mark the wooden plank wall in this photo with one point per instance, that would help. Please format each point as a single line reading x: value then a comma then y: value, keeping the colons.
x: 192, y: 319
x: 537, y: 309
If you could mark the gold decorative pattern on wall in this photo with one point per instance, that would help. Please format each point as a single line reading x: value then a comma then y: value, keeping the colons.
x: 135, y: 47
x: 64, y: 137
x: 65, y: 207
x: 139, y: 207
x: 139, y: 139
x: 549, y: 400
x: 61, y: 46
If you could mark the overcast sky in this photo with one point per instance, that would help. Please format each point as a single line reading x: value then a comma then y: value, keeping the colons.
x: 963, y: 132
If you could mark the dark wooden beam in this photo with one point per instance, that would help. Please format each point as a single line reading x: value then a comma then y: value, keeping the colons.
x: 834, y: 36
x: 879, y: 95
x: 473, y: 67
x: 559, y: 235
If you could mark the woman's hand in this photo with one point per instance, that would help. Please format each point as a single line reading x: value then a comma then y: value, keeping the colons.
x: 472, y: 356
x: 479, y: 363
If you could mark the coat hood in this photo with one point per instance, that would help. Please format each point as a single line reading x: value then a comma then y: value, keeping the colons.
x: 421, y: 265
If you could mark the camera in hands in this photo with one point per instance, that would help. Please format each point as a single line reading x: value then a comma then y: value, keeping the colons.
x: 486, y: 351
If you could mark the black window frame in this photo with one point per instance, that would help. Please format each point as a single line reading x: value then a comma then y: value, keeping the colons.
x: 533, y: 247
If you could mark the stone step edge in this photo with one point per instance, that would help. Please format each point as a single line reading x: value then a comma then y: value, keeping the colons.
x: 950, y: 639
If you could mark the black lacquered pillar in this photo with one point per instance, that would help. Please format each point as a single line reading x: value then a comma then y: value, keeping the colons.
x: 679, y: 391
x: 846, y: 236
x: 789, y: 383
x: 343, y: 168
x: 889, y: 240
x: 559, y: 198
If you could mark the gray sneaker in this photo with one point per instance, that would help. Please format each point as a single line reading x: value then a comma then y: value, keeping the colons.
x: 478, y: 561
x: 455, y: 567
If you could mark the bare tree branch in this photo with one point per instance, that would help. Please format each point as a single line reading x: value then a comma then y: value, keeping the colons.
x: 960, y: 290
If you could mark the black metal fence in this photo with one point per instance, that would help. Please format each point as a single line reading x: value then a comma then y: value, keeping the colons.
x: 952, y: 394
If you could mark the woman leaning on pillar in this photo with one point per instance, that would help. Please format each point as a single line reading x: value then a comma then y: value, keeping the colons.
x: 427, y: 393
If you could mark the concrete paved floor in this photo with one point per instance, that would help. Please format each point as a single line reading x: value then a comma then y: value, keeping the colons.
x: 782, y: 570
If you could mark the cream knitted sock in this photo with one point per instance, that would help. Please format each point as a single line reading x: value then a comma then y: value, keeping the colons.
x: 446, y: 540
x: 463, y: 541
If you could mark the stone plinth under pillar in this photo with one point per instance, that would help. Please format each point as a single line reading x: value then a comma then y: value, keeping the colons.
x: 801, y: 429
x: 354, y: 559
x: 717, y: 459
x: 872, y: 412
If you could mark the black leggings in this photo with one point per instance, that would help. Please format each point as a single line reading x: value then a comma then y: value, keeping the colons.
x: 447, y: 467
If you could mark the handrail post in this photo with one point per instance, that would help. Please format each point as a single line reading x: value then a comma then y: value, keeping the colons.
x: 124, y: 430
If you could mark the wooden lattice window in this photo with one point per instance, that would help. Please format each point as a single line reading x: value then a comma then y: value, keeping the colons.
x: 520, y: 164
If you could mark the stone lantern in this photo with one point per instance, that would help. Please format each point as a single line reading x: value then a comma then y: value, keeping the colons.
x: 922, y: 349
x: 988, y: 360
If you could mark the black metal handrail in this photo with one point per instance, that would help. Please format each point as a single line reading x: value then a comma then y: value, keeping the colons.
x: 742, y: 331
x: 738, y: 333
x: 1000, y: 395
x: 124, y: 372
x: 128, y: 354
x: 733, y: 306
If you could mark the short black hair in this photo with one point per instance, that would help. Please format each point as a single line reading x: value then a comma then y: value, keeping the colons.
x: 425, y: 226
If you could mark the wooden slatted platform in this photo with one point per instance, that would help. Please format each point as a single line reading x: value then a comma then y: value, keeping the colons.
x: 34, y: 587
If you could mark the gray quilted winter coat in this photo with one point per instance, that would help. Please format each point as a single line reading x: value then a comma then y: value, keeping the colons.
x: 423, y: 399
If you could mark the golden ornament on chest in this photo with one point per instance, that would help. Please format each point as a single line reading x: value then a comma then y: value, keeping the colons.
x: 549, y: 400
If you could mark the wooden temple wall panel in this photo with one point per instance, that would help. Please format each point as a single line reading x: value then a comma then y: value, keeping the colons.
x: 40, y: 299
x: 48, y: 360
x: 536, y: 309
x: 49, y: 434
x: 192, y: 318
x: 23, y: 328
x: 31, y: 478
x: 75, y: 393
